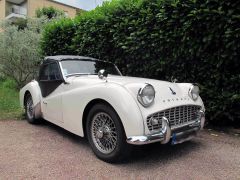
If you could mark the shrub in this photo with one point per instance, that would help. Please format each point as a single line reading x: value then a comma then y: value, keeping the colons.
x: 49, y: 12
x: 19, y: 51
x: 20, y: 23
x: 57, y: 37
x: 194, y: 41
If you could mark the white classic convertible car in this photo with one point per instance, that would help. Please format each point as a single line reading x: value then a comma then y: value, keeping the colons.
x: 91, y: 98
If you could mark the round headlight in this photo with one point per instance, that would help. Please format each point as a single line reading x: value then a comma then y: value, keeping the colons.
x: 194, y: 92
x: 146, y: 95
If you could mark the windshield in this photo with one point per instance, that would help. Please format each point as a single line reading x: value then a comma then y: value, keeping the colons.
x: 87, y: 67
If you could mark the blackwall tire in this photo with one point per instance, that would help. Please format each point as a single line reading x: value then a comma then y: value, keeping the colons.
x: 106, y: 134
x: 30, y: 111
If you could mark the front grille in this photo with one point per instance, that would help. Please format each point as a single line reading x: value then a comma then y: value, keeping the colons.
x: 177, y: 116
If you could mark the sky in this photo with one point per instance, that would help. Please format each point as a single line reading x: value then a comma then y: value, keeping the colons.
x: 82, y: 4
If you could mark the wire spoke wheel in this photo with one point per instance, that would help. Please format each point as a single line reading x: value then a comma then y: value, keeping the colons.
x: 29, y: 108
x: 104, y: 133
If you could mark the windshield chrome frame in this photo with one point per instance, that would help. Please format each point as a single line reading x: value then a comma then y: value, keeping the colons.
x: 65, y: 77
x: 61, y: 68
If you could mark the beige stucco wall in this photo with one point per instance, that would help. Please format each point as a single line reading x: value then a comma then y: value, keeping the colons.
x: 2, y: 9
x: 33, y: 5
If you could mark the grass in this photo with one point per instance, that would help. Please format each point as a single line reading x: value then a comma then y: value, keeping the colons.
x: 9, y: 101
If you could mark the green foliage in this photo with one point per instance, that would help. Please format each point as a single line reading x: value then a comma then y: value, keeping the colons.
x: 19, y: 50
x: 58, y: 35
x: 49, y: 12
x: 21, y: 23
x: 194, y: 41
x: 9, y: 84
x: 9, y: 101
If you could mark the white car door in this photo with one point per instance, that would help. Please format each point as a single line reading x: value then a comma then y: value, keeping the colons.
x: 51, y: 85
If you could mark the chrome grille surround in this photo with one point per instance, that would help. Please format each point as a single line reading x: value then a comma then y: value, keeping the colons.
x: 177, y: 116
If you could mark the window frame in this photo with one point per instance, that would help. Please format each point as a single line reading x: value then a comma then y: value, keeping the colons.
x: 60, y: 64
x: 44, y: 65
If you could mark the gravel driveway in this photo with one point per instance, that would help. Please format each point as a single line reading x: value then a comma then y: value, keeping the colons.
x: 48, y: 152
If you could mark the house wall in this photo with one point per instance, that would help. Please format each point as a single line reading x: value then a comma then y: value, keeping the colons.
x: 33, y: 5
x: 24, y: 8
x: 2, y: 9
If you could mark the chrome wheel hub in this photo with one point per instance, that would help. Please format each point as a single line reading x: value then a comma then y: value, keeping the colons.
x: 99, y: 134
x: 104, y: 133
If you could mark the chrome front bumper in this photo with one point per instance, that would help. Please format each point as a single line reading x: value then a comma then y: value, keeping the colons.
x: 178, y: 134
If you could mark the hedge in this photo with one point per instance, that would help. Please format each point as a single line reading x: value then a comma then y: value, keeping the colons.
x: 57, y: 37
x: 194, y: 41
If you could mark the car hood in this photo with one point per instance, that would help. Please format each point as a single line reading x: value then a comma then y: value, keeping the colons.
x: 164, y: 90
x: 161, y: 87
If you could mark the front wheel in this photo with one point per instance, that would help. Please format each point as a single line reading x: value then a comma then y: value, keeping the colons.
x: 106, y: 134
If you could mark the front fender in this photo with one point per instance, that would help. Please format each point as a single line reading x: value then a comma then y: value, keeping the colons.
x: 75, y: 101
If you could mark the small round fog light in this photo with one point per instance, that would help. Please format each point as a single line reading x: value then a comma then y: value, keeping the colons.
x: 153, y: 121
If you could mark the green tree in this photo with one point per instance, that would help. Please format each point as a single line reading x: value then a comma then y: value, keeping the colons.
x: 19, y: 50
x: 49, y: 12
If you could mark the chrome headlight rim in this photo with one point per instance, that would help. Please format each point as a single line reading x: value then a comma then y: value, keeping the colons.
x: 141, y: 95
x: 194, y: 92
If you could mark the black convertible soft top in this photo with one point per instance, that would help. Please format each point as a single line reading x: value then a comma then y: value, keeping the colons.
x: 68, y: 57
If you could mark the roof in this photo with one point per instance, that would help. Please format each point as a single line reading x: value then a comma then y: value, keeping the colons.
x: 67, y: 57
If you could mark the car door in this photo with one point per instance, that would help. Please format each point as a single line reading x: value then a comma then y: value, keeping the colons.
x: 51, y: 85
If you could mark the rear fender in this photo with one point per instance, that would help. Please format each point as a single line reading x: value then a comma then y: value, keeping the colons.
x: 34, y: 89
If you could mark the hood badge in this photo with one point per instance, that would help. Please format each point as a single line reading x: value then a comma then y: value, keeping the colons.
x: 173, y: 92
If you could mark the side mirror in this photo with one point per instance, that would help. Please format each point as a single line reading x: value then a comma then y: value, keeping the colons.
x: 102, y: 74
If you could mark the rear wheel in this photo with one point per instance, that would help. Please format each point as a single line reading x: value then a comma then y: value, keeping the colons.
x: 29, y: 110
x: 106, y: 134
